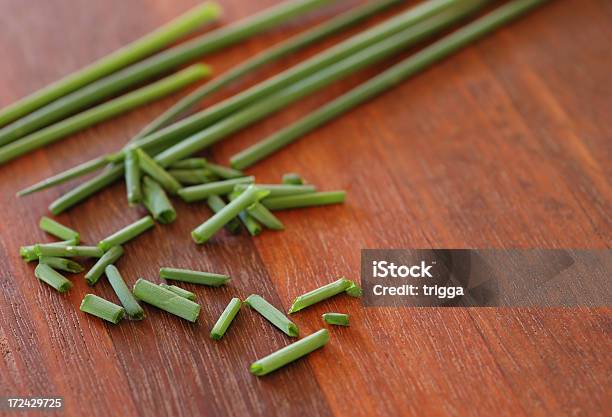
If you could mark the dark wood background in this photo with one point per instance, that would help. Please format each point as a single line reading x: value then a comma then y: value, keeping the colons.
x: 506, y: 144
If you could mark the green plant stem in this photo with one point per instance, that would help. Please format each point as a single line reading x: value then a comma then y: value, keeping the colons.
x: 217, y: 204
x: 203, y: 191
x: 305, y: 200
x: 28, y: 253
x: 68, y: 251
x: 179, y: 291
x: 56, y: 280
x: 159, y: 174
x: 194, y: 277
x: 272, y: 314
x: 282, y: 190
x: 129, y: 303
x: 224, y: 172
x: 132, y: 178
x: 291, y: 178
x: 104, y: 309
x: 166, y: 300
x: 126, y: 234
x: 110, y: 257
x: 248, y: 221
x: 225, y: 319
x: 189, y: 163
x: 337, y: 319
x: 320, y: 294
x: 290, y: 353
x: 157, y: 202
x: 61, y: 264
x: 265, y: 217
x: 192, y: 176
x: 383, y: 82
x: 127, y: 55
x: 58, y: 230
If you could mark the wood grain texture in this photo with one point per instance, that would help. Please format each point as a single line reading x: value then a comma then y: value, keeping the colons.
x: 506, y: 144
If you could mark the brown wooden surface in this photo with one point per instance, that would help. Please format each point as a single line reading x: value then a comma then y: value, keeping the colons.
x: 506, y: 144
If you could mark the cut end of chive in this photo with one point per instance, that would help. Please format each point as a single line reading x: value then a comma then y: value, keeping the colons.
x: 216, y: 336
x: 354, y: 290
x: 293, y: 330
x: 257, y: 369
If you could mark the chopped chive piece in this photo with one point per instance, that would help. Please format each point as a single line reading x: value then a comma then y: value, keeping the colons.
x: 166, y: 300
x: 192, y: 176
x: 157, y: 202
x: 272, y: 314
x: 249, y: 222
x: 28, y: 253
x: 121, y: 58
x: 337, y: 319
x: 203, y: 191
x: 282, y: 190
x: 68, y: 251
x: 179, y: 291
x: 217, y: 204
x: 225, y: 319
x: 104, y: 309
x: 110, y: 257
x: 58, y: 230
x: 265, y: 217
x: 292, y: 179
x: 224, y: 172
x: 320, y: 294
x: 194, y: 277
x: 189, y: 163
x: 354, y: 290
x: 132, y: 177
x: 305, y: 200
x: 62, y: 177
x: 290, y: 353
x: 126, y: 234
x: 61, y: 264
x: 152, y: 168
x: 203, y: 232
x: 102, y: 112
x: 49, y: 275
x: 131, y: 306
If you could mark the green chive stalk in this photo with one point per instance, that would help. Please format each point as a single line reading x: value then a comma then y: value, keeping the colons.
x: 56, y: 280
x: 179, y: 291
x: 110, y: 257
x: 129, y: 303
x: 225, y: 319
x: 166, y: 300
x: 193, y: 277
x: 68, y: 251
x: 157, y: 202
x: 265, y: 217
x: 156, y: 65
x: 322, y: 198
x: 291, y: 178
x: 224, y: 172
x: 282, y: 190
x: 337, y: 319
x: 61, y: 264
x: 159, y: 174
x: 126, y: 234
x: 28, y: 253
x: 121, y: 58
x: 354, y: 290
x: 58, y: 230
x: 104, y: 309
x: 203, y: 191
x: 272, y: 314
x: 103, y: 112
x: 290, y: 353
x: 132, y: 178
x: 217, y: 204
x: 192, y: 176
x: 383, y: 82
x: 190, y: 163
x: 320, y: 294
x: 248, y: 221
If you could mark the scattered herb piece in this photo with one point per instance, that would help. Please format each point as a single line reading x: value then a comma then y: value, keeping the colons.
x: 217, y: 204
x: 225, y: 319
x: 203, y: 191
x: 132, y: 177
x: 194, y: 277
x: 131, y: 306
x: 68, y: 251
x: 179, y: 291
x: 321, y: 198
x: 109, y: 258
x: 292, y: 179
x: 166, y: 300
x: 320, y: 294
x: 104, y: 309
x: 49, y: 275
x: 61, y: 264
x: 58, y: 230
x: 337, y: 319
x: 272, y: 314
x: 152, y: 168
x: 157, y: 202
x: 265, y: 217
x: 126, y: 234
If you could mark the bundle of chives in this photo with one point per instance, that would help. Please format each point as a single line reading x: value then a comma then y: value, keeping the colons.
x: 204, y: 231
x: 272, y: 314
x: 56, y: 280
x: 157, y: 202
x: 58, y: 230
x: 225, y: 319
x: 166, y: 300
x: 337, y: 319
x: 291, y: 178
x: 200, y: 120
x: 109, y: 258
x: 104, y: 309
x: 129, y: 303
x: 61, y: 264
x: 192, y: 176
x: 28, y: 253
x: 270, y: 55
x: 203, y: 191
x: 265, y: 217
x: 179, y: 291
x: 152, y: 168
x: 132, y: 177
x: 68, y: 251
x: 386, y: 80
x: 320, y: 294
x: 158, y: 64
x: 130, y: 53
x: 290, y: 353
x: 217, y: 204
x: 249, y: 222
x: 74, y: 172
x: 281, y: 190
x: 194, y: 277
x: 305, y: 69
x: 103, y: 112
x: 305, y: 200
x: 126, y: 234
